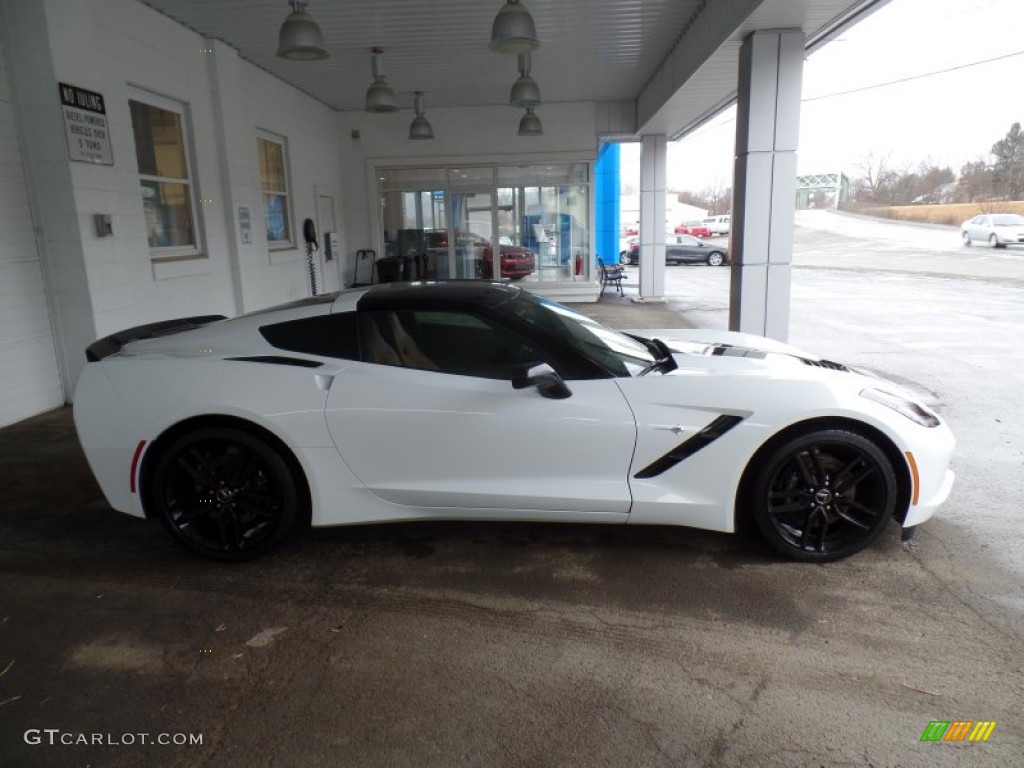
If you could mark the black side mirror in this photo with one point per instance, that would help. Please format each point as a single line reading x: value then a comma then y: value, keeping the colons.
x: 542, y: 376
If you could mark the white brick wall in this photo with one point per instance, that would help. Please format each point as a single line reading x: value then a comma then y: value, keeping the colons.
x: 101, y: 285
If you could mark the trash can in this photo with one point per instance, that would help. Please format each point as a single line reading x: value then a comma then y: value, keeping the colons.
x: 389, y: 269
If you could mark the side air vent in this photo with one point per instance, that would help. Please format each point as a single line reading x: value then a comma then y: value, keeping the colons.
x: 690, y: 446
x: 832, y: 366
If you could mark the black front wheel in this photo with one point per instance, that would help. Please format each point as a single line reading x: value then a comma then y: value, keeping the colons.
x: 716, y: 259
x: 824, y: 495
x: 225, y: 493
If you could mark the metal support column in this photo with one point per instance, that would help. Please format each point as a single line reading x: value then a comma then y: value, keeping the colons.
x: 653, y: 161
x: 764, y: 197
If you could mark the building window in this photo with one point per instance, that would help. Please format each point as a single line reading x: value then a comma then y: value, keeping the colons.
x: 527, y: 222
x: 274, y: 184
x: 168, y: 198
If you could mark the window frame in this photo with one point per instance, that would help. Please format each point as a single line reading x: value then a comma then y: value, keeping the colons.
x: 378, y: 185
x: 282, y: 141
x: 180, y: 108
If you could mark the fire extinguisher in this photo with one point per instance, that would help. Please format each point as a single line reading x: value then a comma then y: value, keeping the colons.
x: 579, y: 264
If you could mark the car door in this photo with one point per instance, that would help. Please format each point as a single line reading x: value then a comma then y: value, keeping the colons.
x: 980, y: 228
x: 429, y: 420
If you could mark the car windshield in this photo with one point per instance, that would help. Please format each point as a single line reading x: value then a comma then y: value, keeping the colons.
x: 614, y: 352
x: 1008, y: 220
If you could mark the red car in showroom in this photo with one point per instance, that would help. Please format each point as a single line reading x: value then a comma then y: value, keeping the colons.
x: 516, y: 262
x: 695, y: 228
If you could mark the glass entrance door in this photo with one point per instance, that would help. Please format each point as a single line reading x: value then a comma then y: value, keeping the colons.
x: 472, y: 217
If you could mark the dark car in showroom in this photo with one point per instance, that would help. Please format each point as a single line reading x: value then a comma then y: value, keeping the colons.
x: 686, y: 250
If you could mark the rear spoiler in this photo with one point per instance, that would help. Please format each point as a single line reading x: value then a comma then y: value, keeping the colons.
x: 112, y: 344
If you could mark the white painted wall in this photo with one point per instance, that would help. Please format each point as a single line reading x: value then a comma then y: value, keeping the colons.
x: 102, y: 285
x: 29, y: 381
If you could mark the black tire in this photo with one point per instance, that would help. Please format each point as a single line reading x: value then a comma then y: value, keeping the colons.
x: 224, y: 493
x: 716, y: 259
x: 824, y: 495
x: 993, y: 241
x: 966, y: 238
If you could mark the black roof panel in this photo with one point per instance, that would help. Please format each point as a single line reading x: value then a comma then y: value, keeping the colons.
x: 438, y: 295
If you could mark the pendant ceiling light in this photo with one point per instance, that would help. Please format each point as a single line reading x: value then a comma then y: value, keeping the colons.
x: 530, y: 124
x: 300, y: 38
x: 379, y: 96
x: 513, y: 30
x: 420, y: 127
x: 525, y: 91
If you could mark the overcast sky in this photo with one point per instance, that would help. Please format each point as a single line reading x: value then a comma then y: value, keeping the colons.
x: 945, y: 118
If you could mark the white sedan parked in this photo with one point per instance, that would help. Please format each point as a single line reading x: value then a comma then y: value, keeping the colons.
x: 995, y: 229
x: 481, y: 401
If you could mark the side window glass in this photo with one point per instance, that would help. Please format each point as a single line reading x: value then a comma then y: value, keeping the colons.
x: 392, y: 338
x: 324, y: 335
x: 457, y: 343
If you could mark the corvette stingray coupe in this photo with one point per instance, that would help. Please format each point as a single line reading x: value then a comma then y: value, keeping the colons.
x: 482, y: 401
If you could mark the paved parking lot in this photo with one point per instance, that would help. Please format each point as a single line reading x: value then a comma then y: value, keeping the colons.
x: 526, y: 645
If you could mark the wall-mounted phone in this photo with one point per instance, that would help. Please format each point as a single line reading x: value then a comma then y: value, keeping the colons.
x: 312, y: 244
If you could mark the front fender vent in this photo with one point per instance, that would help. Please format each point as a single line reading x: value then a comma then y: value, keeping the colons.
x: 690, y: 446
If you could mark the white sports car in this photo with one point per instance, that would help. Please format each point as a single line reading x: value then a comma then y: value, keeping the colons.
x: 479, y: 401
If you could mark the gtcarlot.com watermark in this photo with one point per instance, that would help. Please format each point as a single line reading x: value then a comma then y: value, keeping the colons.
x: 55, y: 737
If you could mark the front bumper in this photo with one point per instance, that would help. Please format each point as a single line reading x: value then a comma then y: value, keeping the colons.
x: 924, y: 509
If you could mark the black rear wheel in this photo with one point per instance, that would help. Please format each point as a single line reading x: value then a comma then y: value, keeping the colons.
x: 824, y: 495
x: 716, y: 259
x: 225, y: 493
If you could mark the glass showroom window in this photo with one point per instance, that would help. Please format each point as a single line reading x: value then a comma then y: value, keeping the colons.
x: 274, y: 183
x: 520, y: 222
x: 546, y: 208
x: 168, y: 199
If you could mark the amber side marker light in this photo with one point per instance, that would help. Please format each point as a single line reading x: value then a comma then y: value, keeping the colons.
x: 914, y: 477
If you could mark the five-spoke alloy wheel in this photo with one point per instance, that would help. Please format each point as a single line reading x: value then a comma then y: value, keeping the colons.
x: 824, y: 495
x: 224, y: 493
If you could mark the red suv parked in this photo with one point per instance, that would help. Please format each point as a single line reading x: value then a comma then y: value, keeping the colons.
x: 695, y: 228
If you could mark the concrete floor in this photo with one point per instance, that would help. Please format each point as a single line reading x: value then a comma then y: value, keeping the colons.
x: 486, y: 644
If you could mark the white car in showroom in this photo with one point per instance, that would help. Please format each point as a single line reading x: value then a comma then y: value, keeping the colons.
x: 482, y: 401
x: 997, y: 230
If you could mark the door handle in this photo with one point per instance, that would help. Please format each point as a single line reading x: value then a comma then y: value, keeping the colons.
x: 323, y: 381
x: 675, y: 429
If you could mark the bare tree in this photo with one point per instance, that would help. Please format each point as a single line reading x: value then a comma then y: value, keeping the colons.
x: 877, y: 179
